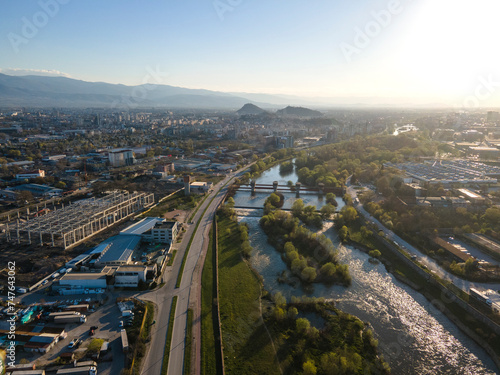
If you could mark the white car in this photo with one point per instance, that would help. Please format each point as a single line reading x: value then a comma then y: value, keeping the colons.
x: 74, y: 343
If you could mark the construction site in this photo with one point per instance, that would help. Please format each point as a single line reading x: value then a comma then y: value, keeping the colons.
x: 76, y: 222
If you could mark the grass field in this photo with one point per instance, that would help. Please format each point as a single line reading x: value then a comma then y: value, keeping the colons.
x: 166, y: 353
x: 247, y: 347
x: 177, y: 201
x: 189, y: 342
x: 208, y: 346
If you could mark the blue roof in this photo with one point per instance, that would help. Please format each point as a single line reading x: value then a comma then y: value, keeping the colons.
x: 142, y: 226
x: 121, y: 249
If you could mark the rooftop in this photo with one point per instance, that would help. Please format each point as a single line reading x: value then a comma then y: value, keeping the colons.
x: 121, y: 249
x: 83, y: 276
x: 142, y: 226
x: 166, y: 225
x: 131, y: 268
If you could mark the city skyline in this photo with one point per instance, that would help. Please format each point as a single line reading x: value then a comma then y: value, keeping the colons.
x: 381, y: 52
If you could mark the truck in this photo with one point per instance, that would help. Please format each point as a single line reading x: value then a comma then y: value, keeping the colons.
x: 21, y: 367
x: 126, y: 313
x: 26, y: 372
x: 72, y: 318
x: 85, y: 363
x: 21, y: 290
x: 53, y: 315
x: 85, y: 370
x: 104, y: 348
x: 480, y: 296
x: 124, y: 337
x: 79, y: 308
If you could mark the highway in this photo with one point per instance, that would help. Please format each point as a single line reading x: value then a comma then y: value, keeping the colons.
x: 188, y: 292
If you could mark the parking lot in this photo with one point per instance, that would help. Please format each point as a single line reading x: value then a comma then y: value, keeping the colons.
x: 106, y: 317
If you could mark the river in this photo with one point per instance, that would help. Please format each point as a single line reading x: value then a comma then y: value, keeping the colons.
x: 414, y: 337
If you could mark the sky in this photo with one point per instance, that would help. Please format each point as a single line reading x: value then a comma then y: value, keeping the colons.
x: 389, y: 51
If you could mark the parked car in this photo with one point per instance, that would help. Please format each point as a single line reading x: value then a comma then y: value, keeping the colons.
x: 75, y: 343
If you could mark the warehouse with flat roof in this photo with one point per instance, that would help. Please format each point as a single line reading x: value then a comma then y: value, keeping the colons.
x: 119, y: 252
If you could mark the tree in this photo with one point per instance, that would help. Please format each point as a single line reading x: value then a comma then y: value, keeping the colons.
x: 330, y: 198
x: 302, y: 325
x: 327, y: 211
x: 279, y: 299
x: 60, y: 184
x: 349, y: 214
x: 24, y: 197
x: 274, y: 199
x: 470, y: 266
x: 375, y: 253
x: 328, y: 270
x: 292, y: 313
x: 492, y: 215
x: 308, y: 274
x: 298, y: 207
x: 344, y: 233
x: 309, y: 368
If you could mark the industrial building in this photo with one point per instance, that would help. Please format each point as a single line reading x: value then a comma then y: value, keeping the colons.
x: 39, y: 338
x: 83, y: 280
x: 78, y: 221
x: 152, y: 229
x: 448, y: 172
x: 118, y: 250
x: 37, y: 190
x: 129, y: 276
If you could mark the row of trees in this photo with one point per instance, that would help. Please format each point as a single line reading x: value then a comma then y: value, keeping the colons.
x: 405, y: 219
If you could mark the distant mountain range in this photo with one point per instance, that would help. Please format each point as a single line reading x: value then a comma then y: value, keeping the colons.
x: 44, y: 91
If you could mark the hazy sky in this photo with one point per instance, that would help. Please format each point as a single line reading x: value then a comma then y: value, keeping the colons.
x: 409, y: 50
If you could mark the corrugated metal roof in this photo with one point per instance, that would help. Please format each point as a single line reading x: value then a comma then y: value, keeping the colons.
x: 120, y: 250
x: 142, y: 226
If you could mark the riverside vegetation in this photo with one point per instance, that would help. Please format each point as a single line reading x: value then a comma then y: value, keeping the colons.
x: 263, y: 334
x: 310, y: 257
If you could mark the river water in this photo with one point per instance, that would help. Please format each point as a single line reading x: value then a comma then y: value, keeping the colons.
x: 414, y: 337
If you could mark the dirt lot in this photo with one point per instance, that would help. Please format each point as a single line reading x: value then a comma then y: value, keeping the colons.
x: 178, y: 215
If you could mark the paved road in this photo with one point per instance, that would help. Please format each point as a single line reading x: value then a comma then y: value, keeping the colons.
x: 187, y: 293
x: 188, y: 296
x: 424, y: 259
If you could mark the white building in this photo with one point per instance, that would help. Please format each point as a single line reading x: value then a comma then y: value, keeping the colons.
x: 121, y: 157
x: 153, y: 229
x: 200, y: 187
x: 31, y: 174
x: 165, y: 232
x: 129, y: 276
